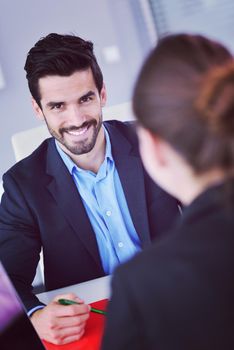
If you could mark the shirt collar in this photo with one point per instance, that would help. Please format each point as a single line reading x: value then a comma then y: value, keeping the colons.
x: 69, y: 162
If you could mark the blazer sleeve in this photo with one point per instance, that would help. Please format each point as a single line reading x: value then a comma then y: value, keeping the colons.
x: 19, y: 240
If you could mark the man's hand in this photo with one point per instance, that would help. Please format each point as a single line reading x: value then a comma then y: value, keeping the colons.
x: 59, y: 324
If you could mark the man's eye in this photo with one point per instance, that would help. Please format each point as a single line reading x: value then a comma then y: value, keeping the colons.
x: 86, y: 99
x: 57, y: 106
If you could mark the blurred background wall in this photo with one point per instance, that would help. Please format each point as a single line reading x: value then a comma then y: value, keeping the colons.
x: 122, y: 31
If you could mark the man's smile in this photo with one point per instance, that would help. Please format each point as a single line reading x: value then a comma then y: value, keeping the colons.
x: 78, y: 132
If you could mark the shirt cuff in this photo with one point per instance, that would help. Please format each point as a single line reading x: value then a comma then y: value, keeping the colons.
x: 30, y: 312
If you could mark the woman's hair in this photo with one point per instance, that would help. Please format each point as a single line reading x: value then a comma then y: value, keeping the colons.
x: 185, y: 94
x: 61, y: 55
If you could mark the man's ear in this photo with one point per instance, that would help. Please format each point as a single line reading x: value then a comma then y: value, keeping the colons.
x: 37, y: 110
x: 103, y: 95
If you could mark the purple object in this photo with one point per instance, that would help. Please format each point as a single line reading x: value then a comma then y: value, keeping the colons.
x: 10, y: 307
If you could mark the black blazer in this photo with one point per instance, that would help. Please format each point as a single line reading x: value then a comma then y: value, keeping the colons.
x: 179, y: 293
x: 41, y: 207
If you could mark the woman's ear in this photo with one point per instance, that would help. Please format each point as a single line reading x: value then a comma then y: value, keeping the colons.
x: 160, y: 148
x: 37, y: 110
x: 152, y: 147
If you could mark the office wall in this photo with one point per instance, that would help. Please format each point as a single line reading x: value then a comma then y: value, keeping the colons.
x: 106, y: 22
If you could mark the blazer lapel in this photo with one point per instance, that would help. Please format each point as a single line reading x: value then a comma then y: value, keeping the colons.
x: 130, y: 170
x: 64, y: 191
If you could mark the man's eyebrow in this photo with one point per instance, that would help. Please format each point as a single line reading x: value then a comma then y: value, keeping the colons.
x: 89, y: 94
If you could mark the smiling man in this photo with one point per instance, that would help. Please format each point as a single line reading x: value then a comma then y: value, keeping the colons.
x: 70, y: 106
x: 82, y: 196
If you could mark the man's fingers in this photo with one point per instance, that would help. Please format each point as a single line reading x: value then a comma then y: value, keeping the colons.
x: 66, y: 335
x: 72, y: 338
x: 71, y: 331
x: 72, y: 320
x: 71, y: 310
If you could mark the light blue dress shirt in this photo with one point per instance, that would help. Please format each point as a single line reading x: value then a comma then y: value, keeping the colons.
x: 104, y: 200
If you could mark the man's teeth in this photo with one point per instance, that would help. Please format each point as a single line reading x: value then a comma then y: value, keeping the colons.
x: 78, y: 132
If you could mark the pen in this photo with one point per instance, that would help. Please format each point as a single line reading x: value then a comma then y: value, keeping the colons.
x: 70, y: 302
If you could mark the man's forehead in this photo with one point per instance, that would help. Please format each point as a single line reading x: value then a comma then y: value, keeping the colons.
x: 56, y: 86
x: 78, y: 77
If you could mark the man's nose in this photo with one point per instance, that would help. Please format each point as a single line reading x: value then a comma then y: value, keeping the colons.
x: 76, y: 117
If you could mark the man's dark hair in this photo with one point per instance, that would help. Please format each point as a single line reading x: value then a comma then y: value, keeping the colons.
x: 62, y: 55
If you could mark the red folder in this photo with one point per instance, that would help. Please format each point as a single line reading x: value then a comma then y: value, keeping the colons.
x: 91, y: 340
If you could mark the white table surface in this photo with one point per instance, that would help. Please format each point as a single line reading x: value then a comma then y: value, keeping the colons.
x: 89, y: 291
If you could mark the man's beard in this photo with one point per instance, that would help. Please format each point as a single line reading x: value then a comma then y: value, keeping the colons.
x: 80, y: 147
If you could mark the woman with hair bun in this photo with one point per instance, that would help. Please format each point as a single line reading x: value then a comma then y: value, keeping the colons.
x: 179, y: 294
